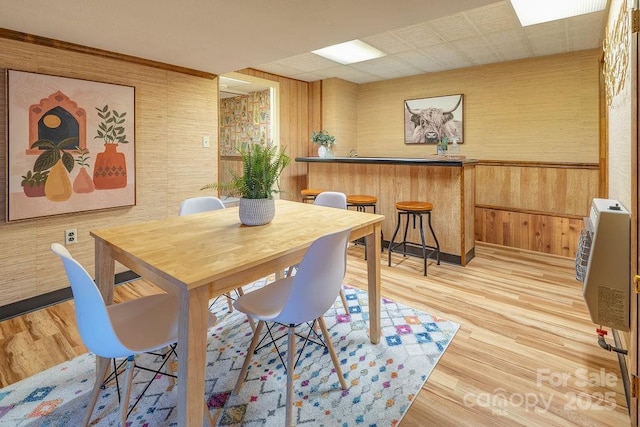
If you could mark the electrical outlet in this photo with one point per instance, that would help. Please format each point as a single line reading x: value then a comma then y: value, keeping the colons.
x: 70, y: 236
x: 205, y: 141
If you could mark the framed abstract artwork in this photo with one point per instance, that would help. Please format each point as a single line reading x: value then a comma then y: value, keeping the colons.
x: 71, y: 145
x: 430, y: 120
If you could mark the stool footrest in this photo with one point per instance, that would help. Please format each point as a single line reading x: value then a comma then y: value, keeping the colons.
x: 430, y: 250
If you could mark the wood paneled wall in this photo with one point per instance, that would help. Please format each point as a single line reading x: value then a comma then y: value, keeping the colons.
x: 534, y: 205
x: 173, y: 111
x: 542, y: 188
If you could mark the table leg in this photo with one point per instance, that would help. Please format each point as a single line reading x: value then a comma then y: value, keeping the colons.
x: 192, y: 352
x: 105, y: 268
x: 373, y: 248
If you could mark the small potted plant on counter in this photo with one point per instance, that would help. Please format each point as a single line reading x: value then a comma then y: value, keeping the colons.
x: 443, y: 145
x: 325, y: 142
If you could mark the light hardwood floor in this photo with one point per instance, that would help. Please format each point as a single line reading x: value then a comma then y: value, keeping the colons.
x: 526, y: 352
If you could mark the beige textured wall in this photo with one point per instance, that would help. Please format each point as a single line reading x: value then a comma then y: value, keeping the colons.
x: 339, y: 114
x: 173, y: 112
x: 543, y: 109
x: 621, y: 154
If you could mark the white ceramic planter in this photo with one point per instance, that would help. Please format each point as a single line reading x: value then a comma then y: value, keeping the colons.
x: 256, y: 211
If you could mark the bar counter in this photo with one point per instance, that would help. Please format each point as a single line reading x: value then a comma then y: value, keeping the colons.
x: 448, y: 183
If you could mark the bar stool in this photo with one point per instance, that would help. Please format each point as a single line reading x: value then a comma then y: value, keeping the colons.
x: 361, y: 202
x: 310, y: 194
x: 413, y: 210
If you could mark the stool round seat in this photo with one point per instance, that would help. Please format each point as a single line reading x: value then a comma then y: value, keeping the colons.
x: 310, y: 194
x: 412, y: 206
x: 361, y: 199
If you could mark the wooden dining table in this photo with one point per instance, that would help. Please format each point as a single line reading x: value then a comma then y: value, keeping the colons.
x: 204, y: 255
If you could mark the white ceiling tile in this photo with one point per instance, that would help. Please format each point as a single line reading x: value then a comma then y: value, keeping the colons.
x: 277, y: 68
x: 454, y: 27
x: 307, y: 62
x: 446, y: 54
x: 509, y: 45
x: 387, y: 42
x: 418, y: 35
x: 308, y: 77
x: 542, y: 47
x: 507, y: 36
x: 387, y: 67
x: 493, y: 18
x: 420, y: 60
x: 351, y: 74
x: 476, y: 49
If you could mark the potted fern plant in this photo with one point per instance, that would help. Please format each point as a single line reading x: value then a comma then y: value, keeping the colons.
x: 262, y: 165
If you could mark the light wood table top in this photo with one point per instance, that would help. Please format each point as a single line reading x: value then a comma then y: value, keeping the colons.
x: 201, y: 255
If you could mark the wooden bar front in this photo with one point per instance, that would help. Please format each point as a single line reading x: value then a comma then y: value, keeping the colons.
x: 447, y: 183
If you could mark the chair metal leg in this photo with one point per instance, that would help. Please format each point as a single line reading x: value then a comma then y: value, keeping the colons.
x: 247, y: 359
x: 332, y: 352
x: 291, y: 352
x: 124, y: 402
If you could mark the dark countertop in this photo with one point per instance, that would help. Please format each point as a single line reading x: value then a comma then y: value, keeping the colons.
x: 430, y: 161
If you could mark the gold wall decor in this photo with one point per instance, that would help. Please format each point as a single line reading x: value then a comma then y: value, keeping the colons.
x: 616, y: 54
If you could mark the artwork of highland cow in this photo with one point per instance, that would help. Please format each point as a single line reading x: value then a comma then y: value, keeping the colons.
x: 429, y: 120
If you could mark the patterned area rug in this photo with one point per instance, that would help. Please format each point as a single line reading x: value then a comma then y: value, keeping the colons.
x: 383, y: 379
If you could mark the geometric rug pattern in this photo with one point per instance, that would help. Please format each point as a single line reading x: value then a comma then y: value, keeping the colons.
x: 383, y: 379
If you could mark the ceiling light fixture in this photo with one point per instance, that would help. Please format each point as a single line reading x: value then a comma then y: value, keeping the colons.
x: 539, y: 11
x: 350, y: 52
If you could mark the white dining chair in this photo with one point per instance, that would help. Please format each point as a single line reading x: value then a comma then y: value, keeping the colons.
x: 123, y: 330
x: 302, y: 298
x: 196, y: 205
x: 331, y: 199
x: 200, y: 204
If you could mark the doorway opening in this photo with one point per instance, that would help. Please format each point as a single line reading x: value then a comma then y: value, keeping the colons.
x: 249, y: 114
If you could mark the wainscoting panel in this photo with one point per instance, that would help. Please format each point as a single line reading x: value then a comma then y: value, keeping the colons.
x: 533, y: 205
x: 542, y: 233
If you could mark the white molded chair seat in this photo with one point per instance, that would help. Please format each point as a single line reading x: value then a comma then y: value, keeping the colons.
x: 133, y: 327
x: 299, y: 299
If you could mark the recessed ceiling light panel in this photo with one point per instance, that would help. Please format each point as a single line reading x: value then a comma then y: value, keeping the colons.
x: 532, y: 12
x: 350, y: 52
